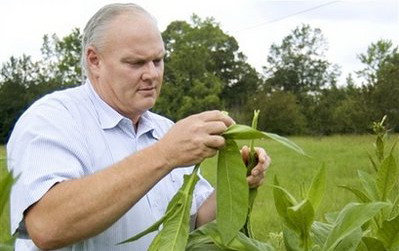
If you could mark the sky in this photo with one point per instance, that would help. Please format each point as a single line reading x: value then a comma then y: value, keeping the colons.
x: 349, y: 26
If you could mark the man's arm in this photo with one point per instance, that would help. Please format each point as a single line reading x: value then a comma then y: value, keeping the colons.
x: 78, y: 209
x: 207, y: 211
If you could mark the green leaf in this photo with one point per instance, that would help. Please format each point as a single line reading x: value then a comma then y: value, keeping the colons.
x: 292, y: 240
x: 282, y: 199
x: 317, y: 188
x: 387, y: 176
x: 240, y: 242
x: 176, y: 219
x: 373, y: 162
x: 372, y: 244
x: 301, y: 218
x: 231, y: 191
x: 369, y: 185
x: 389, y: 233
x: 237, y: 131
x: 359, y: 194
x: 174, y: 234
x: 320, y: 231
x: 351, y: 241
x: 352, y: 217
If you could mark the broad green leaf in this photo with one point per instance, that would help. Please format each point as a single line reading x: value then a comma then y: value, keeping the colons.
x: 174, y: 234
x: 237, y: 131
x: 331, y: 217
x: 369, y: 185
x: 389, y: 233
x: 176, y: 211
x: 240, y: 242
x: 301, y: 215
x: 351, y: 241
x: 231, y: 191
x: 359, y: 194
x: 387, y: 176
x: 371, y: 244
x: 320, y: 231
x: 292, y: 240
x: 282, y: 200
x: 352, y: 217
x: 317, y: 188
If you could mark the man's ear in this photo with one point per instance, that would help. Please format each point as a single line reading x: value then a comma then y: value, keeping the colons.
x: 93, y: 59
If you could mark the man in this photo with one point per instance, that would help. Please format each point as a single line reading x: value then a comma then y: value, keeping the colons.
x: 96, y: 166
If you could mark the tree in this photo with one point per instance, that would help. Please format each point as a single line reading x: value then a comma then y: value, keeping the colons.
x: 373, y: 59
x: 203, y: 70
x: 279, y: 112
x: 299, y: 65
x: 385, y: 95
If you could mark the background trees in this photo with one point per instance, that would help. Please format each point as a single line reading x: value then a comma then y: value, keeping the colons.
x: 204, y: 69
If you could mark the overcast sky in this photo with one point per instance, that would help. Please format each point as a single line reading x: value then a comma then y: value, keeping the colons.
x: 349, y: 26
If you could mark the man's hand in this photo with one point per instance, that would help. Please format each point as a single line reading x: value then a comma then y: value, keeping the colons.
x: 194, y: 138
x: 257, y: 176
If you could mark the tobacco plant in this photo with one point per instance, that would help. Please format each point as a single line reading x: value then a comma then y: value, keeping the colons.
x: 371, y: 224
x: 234, y: 202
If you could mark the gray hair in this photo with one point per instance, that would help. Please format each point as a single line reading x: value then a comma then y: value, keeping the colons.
x: 93, y: 33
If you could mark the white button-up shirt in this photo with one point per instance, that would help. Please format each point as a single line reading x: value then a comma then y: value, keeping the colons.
x: 72, y: 133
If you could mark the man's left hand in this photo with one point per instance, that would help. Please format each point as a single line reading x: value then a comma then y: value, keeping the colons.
x: 257, y: 175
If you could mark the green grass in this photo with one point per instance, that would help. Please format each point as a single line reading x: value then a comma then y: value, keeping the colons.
x: 342, y: 156
x: 4, y: 220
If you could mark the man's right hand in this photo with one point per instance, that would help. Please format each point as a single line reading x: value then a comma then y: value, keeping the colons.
x: 194, y: 138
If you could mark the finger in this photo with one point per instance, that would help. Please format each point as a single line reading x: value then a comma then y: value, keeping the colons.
x: 245, y: 154
x: 255, y: 181
x: 216, y: 115
x: 214, y: 141
x: 215, y: 127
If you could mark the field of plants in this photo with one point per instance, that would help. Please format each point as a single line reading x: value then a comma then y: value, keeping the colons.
x: 342, y: 157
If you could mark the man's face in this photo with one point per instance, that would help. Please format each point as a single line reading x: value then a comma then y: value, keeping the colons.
x: 128, y: 70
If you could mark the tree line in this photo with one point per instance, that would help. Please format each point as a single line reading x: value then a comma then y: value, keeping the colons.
x: 297, y: 92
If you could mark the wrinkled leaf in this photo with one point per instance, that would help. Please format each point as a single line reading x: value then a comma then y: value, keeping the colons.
x: 232, y: 191
x: 369, y: 185
x: 371, y: 244
x: 387, y: 176
x: 352, y: 217
x: 240, y: 242
x: 320, y: 232
x: 389, y: 233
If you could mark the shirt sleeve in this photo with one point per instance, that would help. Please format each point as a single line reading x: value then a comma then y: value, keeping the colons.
x: 45, y: 148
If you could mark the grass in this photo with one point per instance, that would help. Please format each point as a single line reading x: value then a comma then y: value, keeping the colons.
x: 4, y: 220
x: 342, y: 156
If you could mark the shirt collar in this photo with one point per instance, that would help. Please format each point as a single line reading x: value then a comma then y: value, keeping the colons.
x: 110, y: 118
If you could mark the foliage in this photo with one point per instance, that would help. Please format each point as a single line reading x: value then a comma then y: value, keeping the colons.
x: 371, y: 224
x: 7, y: 242
x: 203, y: 70
x: 298, y: 64
x: 232, y: 195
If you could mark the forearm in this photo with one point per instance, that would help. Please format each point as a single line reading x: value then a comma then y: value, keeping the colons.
x: 78, y: 209
x: 207, y: 211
